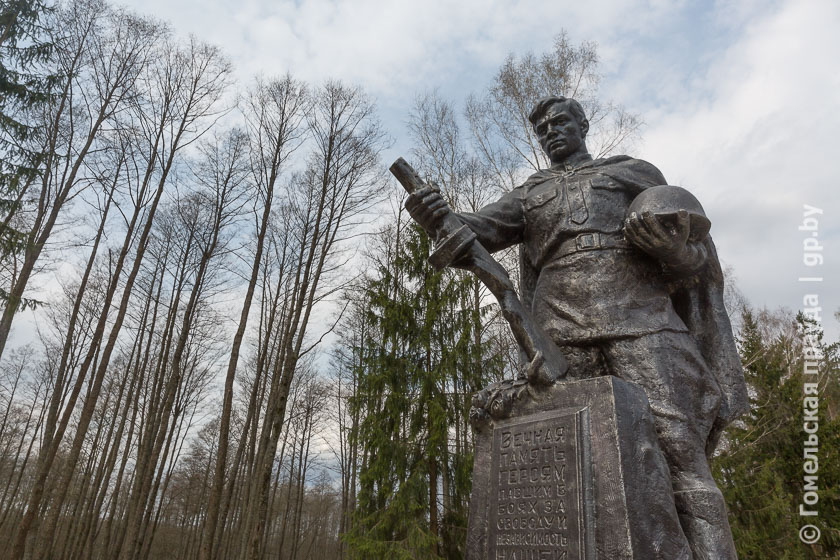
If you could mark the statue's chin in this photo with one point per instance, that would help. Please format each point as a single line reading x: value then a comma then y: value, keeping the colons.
x: 562, y: 152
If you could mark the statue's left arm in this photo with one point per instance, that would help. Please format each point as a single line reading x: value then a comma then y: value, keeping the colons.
x: 672, y: 246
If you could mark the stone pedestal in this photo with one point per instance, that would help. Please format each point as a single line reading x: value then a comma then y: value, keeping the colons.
x: 571, y: 472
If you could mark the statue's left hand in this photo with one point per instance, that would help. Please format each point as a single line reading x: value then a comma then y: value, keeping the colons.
x: 648, y: 234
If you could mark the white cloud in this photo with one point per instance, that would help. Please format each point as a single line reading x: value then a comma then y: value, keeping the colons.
x: 757, y: 142
x: 392, y: 46
x: 739, y: 96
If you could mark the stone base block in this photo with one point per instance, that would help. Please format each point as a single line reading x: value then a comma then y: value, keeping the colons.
x: 570, y: 472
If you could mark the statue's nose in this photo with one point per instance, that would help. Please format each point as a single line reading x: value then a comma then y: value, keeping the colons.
x: 554, y: 130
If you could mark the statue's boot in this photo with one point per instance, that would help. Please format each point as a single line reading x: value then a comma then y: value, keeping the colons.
x: 702, y: 515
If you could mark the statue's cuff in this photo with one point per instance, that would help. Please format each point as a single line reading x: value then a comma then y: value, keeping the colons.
x: 690, y: 260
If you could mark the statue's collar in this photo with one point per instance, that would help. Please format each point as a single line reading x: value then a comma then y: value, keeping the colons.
x: 584, y: 160
x: 585, y: 165
x: 565, y: 169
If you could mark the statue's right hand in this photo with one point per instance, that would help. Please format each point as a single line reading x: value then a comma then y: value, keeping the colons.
x: 427, y: 208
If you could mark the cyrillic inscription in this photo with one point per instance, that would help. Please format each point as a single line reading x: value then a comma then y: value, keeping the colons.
x: 535, y: 510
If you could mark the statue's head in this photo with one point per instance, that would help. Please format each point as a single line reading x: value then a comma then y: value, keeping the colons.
x: 561, y: 126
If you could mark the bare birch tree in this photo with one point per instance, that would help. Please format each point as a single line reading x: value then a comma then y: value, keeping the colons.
x: 326, y: 202
x: 101, y: 51
x: 274, y: 113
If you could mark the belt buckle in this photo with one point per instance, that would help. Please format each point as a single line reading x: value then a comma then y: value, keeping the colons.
x: 587, y: 241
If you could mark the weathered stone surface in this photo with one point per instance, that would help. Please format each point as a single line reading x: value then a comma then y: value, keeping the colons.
x: 542, y: 474
x: 575, y: 473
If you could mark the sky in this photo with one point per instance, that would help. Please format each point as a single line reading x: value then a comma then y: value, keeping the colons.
x: 739, y: 98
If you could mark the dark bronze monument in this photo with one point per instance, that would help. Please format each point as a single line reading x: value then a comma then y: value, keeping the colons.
x: 631, y: 372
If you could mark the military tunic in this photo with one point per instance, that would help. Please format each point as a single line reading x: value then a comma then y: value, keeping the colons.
x: 589, y: 283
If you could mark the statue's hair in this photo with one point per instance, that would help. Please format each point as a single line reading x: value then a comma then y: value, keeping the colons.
x: 543, y: 104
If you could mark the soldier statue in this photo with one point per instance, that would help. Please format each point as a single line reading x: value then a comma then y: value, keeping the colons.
x: 624, y: 291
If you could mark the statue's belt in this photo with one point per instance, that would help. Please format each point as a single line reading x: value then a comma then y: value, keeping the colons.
x: 590, y: 242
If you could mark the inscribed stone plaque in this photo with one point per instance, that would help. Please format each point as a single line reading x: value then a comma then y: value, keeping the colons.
x: 540, y: 467
x: 572, y: 472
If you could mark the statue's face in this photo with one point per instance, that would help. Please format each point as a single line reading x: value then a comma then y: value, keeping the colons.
x: 559, y: 133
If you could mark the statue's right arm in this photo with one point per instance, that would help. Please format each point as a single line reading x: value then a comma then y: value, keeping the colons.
x: 500, y: 224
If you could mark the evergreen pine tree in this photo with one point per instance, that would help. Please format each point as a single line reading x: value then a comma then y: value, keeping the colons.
x: 760, y: 465
x: 420, y: 368
x: 24, y: 87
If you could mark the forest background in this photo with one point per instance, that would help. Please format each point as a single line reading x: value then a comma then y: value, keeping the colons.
x: 221, y: 338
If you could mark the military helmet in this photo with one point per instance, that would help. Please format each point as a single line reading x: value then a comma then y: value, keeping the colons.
x: 664, y: 201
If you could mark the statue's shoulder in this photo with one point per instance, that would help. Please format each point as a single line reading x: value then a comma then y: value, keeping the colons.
x: 630, y: 170
x: 536, y: 178
x: 625, y: 169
